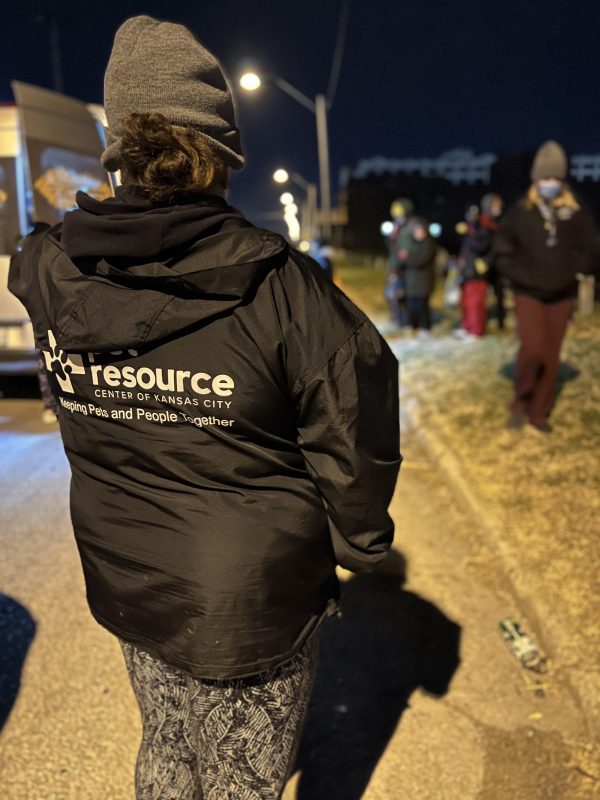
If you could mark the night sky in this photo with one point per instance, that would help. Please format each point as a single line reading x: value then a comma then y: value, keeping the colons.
x: 418, y: 77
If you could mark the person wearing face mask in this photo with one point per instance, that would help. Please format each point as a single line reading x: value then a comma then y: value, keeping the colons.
x: 541, y: 246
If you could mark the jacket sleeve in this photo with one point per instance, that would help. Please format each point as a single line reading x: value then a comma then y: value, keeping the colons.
x: 349, y: 434
x: 505, y: 245
x: 482, y: 242
x: 343, y: 380
x: 23, y: 278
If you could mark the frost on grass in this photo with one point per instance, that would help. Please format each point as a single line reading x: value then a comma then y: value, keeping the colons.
x: 543, y: 491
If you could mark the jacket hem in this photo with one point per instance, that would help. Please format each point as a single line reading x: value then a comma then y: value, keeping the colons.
x: 546, y: 297
x: 217, y: 672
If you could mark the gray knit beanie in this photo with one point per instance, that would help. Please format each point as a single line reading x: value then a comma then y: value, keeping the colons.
x: 488, y: 200
x: 550, y: 162
x: 160, y: 67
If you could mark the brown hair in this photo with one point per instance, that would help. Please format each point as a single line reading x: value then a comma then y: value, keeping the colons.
x: 165, y: 160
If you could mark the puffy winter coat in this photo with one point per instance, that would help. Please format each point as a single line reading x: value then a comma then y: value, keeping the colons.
x: 523, y: 252
x: 231, y: 422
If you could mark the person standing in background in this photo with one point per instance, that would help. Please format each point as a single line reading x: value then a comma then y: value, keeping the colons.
x: 419, y: 276
x: 50, y: 412
x: 322, y: 253
x: 492, y: 206
x: 541, y: 246
x: 402, y: 211
x: 475, y: 266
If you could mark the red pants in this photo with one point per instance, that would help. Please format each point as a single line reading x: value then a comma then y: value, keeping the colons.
x: 473, y: 306
x: 541, y: 328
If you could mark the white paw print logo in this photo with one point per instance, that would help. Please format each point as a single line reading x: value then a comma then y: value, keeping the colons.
x: 62, y: 364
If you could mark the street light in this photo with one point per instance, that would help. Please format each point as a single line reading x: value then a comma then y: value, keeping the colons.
x: 281, y: 176
x: 250, y: 81
x: 309, y: 213
x: 290, y: 215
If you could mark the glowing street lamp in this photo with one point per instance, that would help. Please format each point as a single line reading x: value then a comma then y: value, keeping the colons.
x: 309, y: 211
x: 286, y: 198
x: 291, y: 220
x: 281, y: 176
x: 250, y: 81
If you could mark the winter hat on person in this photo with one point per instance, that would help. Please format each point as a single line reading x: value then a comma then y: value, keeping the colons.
x: 402, y: 207
x: 488, y: 200
x: 160, y: 67
x: 418, y: 222
x: 550, y: 162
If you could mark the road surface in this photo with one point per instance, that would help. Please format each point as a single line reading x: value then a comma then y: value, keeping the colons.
x: 393, y: 716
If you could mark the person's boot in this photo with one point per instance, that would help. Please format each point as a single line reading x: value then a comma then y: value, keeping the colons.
x: 516, y: 419
x: 542, y: 427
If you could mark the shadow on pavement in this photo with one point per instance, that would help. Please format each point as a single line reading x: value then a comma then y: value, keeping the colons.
x: 17, y: 629
x: 566, y: 372
x: 388, y: 643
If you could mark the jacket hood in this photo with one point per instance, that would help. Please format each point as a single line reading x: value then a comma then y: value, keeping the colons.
x: 122, y: 273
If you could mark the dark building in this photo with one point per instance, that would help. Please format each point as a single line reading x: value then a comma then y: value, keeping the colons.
x: 442, y: 189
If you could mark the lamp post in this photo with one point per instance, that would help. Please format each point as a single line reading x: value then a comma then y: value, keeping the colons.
x: 290, y: 215
x: 250, y: 81
x: 309, y: 216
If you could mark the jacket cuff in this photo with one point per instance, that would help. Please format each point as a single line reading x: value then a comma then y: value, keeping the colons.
x: 353, y: 558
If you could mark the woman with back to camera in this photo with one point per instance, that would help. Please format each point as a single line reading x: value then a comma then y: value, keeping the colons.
x: 541, y: 246
x: 231, y: 423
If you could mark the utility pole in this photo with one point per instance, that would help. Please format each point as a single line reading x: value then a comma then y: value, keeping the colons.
x: 51, y: 22
x: 324, y: 180
x: 57, y: 76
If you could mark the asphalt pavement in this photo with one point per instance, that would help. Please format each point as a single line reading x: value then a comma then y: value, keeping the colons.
x: 417, y: 696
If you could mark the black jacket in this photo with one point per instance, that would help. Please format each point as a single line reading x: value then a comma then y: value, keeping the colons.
x: 231, y: 422
x: 419, y: 268
x: 521, y: 252
x: 475, y: 254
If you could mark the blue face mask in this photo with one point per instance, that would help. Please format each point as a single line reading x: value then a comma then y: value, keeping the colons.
x: 549, y: 189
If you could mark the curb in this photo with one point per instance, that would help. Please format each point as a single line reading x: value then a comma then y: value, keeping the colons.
x: 534, y: 609
x: 453, y: 473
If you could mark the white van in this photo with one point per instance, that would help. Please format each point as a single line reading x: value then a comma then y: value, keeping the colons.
x: 50, y: 147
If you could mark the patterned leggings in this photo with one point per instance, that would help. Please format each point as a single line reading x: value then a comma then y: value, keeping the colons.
x: 218, y: 740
